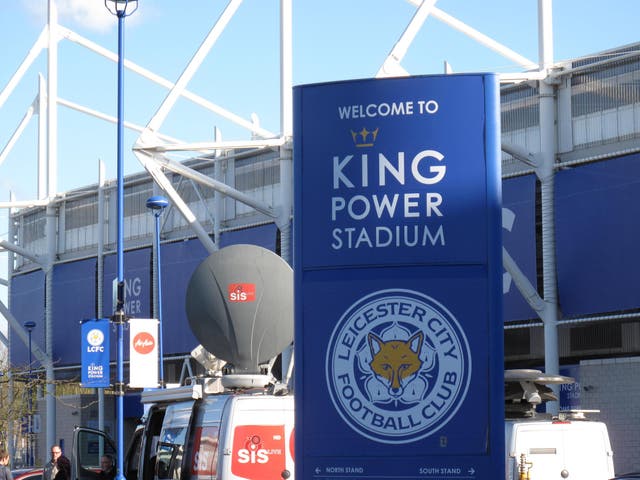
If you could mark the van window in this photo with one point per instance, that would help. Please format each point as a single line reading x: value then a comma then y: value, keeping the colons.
x: 91, y: 445
x: 169, y: 453
x: 149, y: 444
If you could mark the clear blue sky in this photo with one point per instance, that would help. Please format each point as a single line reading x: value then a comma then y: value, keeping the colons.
x: 333, y: 40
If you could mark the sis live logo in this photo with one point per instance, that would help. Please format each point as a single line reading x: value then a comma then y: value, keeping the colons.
x: 398, y: 366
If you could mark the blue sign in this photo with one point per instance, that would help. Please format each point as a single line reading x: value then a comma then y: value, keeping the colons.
x: 95, y: 353
x: 398, y: 271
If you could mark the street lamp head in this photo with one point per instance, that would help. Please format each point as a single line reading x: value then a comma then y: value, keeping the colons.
x: 29, y: 325
x: 121, y: 8
x: 157, y: 202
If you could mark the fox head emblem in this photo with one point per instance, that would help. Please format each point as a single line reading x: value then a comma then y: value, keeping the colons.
x: 395, y: 362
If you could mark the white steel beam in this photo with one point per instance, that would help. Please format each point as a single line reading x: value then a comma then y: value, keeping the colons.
x: 193, y: 65
x: 52, y: 109
x: 211, y: 146
x: 221, y: 187
x: 43, y: 262
x: 18, y: 132
x: 391, y: 66
x: 151, y: 166
x: 24, y: 336
x: 519, y: 153
x: 163, y: 82
x: 286, y: 69
x: 481, y: 38
x: 25, y: 203
x: 528, y: 291
x: 111, y: 119
x: 545, y: 34
x: 42, y: 138
x: 520, y: 77
x: 546, y: 174
x: 39, y: 44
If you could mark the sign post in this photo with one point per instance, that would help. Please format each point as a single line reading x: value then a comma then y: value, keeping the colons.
x: 398, y: 276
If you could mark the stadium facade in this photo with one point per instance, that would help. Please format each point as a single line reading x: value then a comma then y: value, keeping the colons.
x: 579, y: 246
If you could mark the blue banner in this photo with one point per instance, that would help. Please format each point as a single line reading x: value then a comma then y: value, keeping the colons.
x: 94, y: 346
x: 398, y: 276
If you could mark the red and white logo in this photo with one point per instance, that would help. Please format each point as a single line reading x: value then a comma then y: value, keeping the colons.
x: 143, y: 343
x: 242, y: 292
x: 259, y: 451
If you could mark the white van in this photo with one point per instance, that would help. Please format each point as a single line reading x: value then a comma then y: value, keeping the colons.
x: 558, y: 449
x: 189, y: 434
x: 542, y: 447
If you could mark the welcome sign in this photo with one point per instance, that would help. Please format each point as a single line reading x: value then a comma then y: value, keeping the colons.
x: 397, y: 254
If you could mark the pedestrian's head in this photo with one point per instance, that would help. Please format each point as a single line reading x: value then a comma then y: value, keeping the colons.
x: 106, y: 463
x: 55, y: 452
x: 4, y: 457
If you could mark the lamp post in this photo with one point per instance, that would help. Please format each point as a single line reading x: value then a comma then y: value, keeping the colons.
x: 157, y: 204
x: 29, y: 326
x: 122, y: 9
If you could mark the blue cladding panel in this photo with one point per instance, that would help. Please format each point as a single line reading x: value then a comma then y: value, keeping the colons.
x: 597, y: 232
x: 519, y: 238
x: 74, y: 300
x: 27, y: 304
x: 179, y: 260
x: 262, y: 236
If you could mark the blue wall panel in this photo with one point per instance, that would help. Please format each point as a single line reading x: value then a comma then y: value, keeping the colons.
x: 27, y: 304
x: 179, y: 260
x: 262, y: 236
x: 74, y: 299
x: 519, y: 238
x: 597, y: 235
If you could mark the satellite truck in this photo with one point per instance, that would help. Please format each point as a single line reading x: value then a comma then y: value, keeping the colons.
x: 237, y: 421
x: 541, y: 446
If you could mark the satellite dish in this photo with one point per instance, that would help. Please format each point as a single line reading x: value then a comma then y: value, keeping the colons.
x: 240, y: 305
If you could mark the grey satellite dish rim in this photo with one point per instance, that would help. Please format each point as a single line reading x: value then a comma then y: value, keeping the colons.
x: 537, y: 376
x: 245, y: 334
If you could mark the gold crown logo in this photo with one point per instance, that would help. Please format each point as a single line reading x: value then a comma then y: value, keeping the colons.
x: 364, y: 138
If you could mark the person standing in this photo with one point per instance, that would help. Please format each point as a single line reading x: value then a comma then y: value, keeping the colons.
x: 51, y: 468
x: 63, y: 468
x: 5, y: 472
x: 107, y: 470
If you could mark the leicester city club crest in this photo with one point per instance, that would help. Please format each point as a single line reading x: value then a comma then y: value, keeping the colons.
x: 398, y: 366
